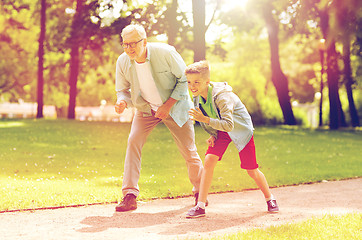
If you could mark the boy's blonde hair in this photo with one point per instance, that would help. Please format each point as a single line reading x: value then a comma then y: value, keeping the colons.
x: 202, y: 68
x: 134, y: 27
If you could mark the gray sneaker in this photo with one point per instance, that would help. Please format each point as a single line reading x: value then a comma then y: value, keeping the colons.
x: 272, y: 206
x: 196, y: 212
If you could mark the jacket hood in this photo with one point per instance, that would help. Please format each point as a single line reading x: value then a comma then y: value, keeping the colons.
x: 220, y: 87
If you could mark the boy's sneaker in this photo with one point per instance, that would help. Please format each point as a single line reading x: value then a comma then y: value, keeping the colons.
x: 197, y: 199
x: 272, y: 206
x: 196, y: 212
x: 129, y: 203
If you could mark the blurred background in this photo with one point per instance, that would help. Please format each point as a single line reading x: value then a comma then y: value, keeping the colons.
x: 294, y: 62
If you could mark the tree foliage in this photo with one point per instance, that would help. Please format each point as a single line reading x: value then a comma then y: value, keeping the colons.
x: 239, y: 52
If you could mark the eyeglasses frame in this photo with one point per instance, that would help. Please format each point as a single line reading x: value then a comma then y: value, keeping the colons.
x: 127, y: 45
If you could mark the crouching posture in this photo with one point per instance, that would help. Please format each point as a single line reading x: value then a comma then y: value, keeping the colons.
x: 222, y: 114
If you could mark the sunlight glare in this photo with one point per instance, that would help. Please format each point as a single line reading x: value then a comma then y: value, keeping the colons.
x: 230, y: 4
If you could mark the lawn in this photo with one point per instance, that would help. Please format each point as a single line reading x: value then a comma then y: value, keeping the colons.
x: 47, y: 163
x: 346, y: 227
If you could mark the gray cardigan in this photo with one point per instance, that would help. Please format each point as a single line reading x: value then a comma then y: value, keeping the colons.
x: 233, y: 116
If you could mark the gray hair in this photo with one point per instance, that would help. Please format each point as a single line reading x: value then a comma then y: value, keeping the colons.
x: 134, y: 27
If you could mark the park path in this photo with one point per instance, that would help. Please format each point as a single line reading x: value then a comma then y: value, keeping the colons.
x: 165, y: 218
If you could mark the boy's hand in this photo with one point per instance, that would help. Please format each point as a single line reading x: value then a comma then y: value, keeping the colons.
x: 211, y: 141
x: 197, y: 115
x: 119, y: 108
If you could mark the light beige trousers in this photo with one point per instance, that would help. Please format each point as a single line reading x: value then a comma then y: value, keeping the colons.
x: 184, y: 138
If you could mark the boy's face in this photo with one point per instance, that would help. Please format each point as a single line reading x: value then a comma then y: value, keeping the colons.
x: 197, y: 84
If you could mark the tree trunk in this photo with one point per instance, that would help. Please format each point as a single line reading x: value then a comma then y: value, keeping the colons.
x: 336, y: 115
x: 348, y: 81
x: 40, y: 93
x: 199, y: 30
x: 74, y: 60
x: 321, y: 54
x: 332, y: 80
x: 170, y: 16
x: 279, y: 80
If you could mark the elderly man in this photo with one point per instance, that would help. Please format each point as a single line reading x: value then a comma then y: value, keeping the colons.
x: 150, y: 77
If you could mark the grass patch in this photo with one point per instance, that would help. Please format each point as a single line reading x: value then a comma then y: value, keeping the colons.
x: 61, y: 162
x: 347, y: 227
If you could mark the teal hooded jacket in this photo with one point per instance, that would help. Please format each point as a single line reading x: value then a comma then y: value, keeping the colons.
x: 233, y: 117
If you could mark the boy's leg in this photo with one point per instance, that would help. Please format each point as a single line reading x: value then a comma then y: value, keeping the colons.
x: 213, y: 155
x: 185, y: 140
x: 248, y: 162
x: 206, y: 177
x: 140, y: 129
x: 261, y: 181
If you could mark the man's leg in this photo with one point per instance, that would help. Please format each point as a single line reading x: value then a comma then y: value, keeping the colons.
x: 185, y: 139
x: 141, y: 128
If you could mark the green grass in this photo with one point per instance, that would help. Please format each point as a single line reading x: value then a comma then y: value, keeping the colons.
x: 47, y: 163
x: 346, y: 227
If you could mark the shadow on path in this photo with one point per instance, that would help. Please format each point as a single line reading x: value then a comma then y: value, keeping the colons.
x: 171, y: 222
x: 129, y: 220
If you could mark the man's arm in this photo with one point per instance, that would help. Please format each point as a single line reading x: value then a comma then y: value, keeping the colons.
x: 122, y: 85
x: 164, y: 110
x: 178, y: 67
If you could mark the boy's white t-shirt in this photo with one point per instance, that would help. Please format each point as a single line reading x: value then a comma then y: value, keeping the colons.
x: 147, y: 85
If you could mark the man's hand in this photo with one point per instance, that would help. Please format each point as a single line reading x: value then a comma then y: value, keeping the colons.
x: 211, y: 141
x: 197, y: 115
x: 119, y: 108
x: 164, y: 110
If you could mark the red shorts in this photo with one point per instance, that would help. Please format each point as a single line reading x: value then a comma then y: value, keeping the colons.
x: 247, y: 155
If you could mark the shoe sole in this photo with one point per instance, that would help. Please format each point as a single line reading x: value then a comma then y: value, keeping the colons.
x: 125, y: 210
x: 273, y: 211
x: 198, y: 216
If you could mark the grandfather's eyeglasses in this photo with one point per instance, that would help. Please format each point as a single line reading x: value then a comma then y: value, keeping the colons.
x: 132, y: 44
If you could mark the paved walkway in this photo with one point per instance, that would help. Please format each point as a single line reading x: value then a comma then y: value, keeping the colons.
x: 165, y: 218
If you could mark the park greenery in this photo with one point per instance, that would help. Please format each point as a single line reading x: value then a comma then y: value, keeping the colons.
x: 274, y: 53
x: 268, y: 50
x: 345, y: 227
x: 48, y: 163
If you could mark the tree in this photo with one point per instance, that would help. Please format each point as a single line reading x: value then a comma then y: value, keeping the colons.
x: 16, y: 61
x: 173, y: 25
x: 278, y: 78
x: 41, y: 60
x: 334, y: 20
x: 345, y: 13
x: 199, y: 29
x: 336, y: 115
x: 75, y: 37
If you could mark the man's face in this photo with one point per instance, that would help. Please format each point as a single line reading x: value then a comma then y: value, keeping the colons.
x: 138, y: 52
x: 197, y: 84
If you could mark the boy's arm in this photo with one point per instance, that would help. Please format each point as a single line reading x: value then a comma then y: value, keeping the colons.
x: 197, y: 115
x: 226, y: 123
x: 225, y: 104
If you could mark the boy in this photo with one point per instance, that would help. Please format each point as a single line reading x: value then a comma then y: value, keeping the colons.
x: 222, y: 114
